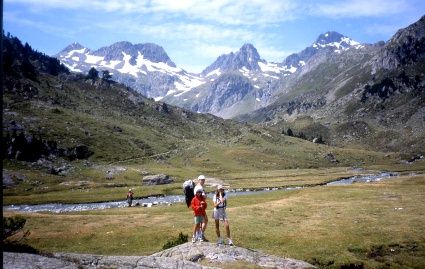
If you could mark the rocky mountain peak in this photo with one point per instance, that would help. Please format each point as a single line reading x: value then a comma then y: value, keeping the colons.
x: 155, y: 53
x: 335, y: 41
x: 329, y: 37
x: 246, y: 57
x: 405, y: 47
x: 328, y: 42
x: 73, y: 46
x: 150, y: 51
x: 248, y: 53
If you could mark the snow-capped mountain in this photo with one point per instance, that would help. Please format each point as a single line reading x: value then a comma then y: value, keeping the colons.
x: 236, y: 83
x: 247, y: 57
x: 329, y: 42
x: 233, y: 79
x: 241, y: 82
x: 144, y: 67
x: 335, y: 41
x: 246, y: 60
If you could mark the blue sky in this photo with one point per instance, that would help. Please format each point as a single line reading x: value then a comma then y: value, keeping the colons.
x: 195, y: 32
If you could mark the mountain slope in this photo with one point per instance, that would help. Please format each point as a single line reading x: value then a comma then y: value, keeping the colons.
x: 369, y: 97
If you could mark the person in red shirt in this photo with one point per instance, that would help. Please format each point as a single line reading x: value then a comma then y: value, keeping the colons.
x: 198, y: 206
x: 200, y: 185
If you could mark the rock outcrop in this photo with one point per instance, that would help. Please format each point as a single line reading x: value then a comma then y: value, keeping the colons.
x: 87, y: 261
x: 157, y: 180
x: 224, y: 254
x: 182, y: 256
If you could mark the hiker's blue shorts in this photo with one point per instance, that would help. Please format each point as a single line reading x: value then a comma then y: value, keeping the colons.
x: 199, y: 219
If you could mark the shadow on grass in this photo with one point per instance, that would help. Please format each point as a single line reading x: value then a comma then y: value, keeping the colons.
x: 20, y: 248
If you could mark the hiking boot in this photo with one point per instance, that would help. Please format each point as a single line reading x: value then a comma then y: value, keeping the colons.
x: 193, y: 239
x: 230, y: 242
x: 219, y: 241
x: 204, y: 239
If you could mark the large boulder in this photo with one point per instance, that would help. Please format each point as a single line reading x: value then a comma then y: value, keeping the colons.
x: 228, y: 254
x: 10, y: 178
x: 88, y: 261
x: 185, y: 256
x: 157, y: 179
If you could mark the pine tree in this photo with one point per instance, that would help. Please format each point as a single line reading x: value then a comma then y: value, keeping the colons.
x: 289, y: 132
x: 93, y: 74
x: 106, y: 76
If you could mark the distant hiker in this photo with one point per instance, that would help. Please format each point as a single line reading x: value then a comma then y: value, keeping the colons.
x: 130, y: 194
x: 200, y: 186
x: 188, y: 190
x: 198, y: 206
x: 219, y: 213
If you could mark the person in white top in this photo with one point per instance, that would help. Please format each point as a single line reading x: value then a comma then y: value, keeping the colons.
x: 200, y: 186
x: 219, y: 213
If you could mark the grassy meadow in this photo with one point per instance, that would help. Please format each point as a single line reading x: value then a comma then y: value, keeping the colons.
x: 377, y: 225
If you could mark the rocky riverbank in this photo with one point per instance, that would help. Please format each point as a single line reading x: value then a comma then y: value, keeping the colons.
x: 187, y: 255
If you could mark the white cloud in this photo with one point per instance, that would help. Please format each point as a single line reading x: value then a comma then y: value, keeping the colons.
x: 360, y: 8
x: 231, y: 12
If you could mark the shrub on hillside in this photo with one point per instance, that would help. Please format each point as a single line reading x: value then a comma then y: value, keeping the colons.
x: 180, y: 239
x: 14, y: 234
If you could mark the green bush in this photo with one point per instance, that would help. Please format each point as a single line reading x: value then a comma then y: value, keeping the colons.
x: 180, y: 239
x: 13, y: 226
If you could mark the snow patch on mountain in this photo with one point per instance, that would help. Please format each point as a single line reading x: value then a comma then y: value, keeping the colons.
x: 73, y: 68
x: 76, y: 51
x: 127, y: 67
x: 215, y: 72
x: 270, y: 76
x: 271, y: 67
x: 189, y: 82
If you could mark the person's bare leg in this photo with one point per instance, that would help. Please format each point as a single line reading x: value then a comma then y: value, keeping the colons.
x: 227, y: 227
x: 217, y: 228
x: 204, y: 224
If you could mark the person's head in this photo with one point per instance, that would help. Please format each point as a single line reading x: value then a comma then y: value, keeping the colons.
x: 201, y: 179
x: 130, y: 190
x: 220, y: 188
x: 199, y: 193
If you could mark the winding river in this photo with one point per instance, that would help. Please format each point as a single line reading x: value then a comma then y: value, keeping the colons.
x: 171, y: 199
